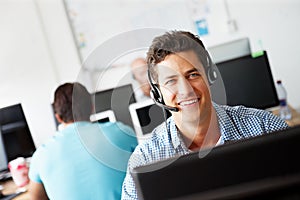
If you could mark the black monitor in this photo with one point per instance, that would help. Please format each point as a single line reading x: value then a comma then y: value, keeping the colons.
x: 248, y: 81
x: 118, y: 100
x: 146, y: 116
x: 263, y: 167
x: 15, y: 136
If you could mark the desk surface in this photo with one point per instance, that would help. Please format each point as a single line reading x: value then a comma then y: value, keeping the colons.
x: 9, y: 187
x: 295, y: 117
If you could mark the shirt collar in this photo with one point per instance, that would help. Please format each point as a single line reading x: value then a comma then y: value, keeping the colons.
x: 223, y: 118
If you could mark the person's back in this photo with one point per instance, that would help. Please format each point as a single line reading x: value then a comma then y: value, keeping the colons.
x: 70, y: 170
x: 83, y: 161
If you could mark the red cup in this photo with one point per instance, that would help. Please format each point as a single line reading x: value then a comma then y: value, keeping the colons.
x: 19, y: 171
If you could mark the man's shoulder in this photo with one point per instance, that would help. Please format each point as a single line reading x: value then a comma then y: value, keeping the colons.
x: 243, y: 112
x: 241, y: 121
x: 157, y: 147
x: 59, y: 139
x: 154, y: 142
x: 49, y: 148
x: 110, y: 129
x: 56, y: 138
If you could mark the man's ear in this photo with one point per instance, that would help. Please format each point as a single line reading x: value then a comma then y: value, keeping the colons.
x: 58, y: 118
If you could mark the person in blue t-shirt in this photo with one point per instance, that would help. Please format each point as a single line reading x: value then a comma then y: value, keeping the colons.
x: 84, y: 160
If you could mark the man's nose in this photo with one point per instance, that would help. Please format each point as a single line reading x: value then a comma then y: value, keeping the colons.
x: 184, y: 87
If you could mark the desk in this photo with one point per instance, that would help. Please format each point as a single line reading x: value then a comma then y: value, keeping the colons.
x: 295, y: 117
x: 9, y: 187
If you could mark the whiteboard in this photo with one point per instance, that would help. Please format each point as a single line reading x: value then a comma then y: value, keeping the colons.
x: 93, y: 22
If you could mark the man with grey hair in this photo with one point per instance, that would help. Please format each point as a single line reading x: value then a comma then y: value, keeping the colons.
x: 139, y: 73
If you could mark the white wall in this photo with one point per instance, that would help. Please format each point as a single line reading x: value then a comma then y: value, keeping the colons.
x: 33, y: 61
x: 271, y: 25
x: 61, y: 44
x: 276, y: 24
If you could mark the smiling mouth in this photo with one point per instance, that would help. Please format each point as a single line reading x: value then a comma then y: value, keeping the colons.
x: 189, y: 102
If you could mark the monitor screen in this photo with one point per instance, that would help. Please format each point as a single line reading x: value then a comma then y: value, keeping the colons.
x: 105, y: 116
x: 146, y: 116
x: 3, y: 159
x: 263, y: 167
x: 116, y: 99
x: 248, y: 81
x: 15, y: 135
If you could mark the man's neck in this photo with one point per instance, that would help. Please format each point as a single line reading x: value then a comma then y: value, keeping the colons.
x: 203, y: 135
x: 63, y: 125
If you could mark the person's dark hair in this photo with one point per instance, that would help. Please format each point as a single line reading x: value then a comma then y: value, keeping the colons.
x: 174, y: 42
x: 72, y: 102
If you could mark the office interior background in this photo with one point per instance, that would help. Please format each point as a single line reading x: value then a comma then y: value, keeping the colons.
x: 40, y: 48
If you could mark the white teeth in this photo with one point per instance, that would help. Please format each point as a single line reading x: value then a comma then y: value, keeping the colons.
x: 184, y: 103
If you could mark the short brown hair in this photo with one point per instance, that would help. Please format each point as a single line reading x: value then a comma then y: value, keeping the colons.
x: 174, y: 42
x: 72, y: 102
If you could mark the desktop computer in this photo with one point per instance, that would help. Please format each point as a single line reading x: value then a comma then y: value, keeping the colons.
x: 263, y: 167
x: 15, y: 137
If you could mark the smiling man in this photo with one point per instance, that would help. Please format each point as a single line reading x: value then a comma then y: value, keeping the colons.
x: 180, y: 72
x: 182, y: 82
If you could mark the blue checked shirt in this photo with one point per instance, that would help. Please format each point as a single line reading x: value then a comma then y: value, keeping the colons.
x: 235, y: 123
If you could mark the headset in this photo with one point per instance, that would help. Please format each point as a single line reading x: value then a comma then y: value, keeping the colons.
x: 156, y: 95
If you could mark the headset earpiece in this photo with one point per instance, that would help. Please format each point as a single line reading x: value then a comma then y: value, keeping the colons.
x: 212, y: 74
x: 156, y: 94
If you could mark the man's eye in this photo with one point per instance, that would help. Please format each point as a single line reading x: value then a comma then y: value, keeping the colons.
x: 194, y: 75
x: 170, y: 82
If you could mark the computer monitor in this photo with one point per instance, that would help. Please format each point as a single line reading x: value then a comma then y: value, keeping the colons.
x: 146, y: 116
x: 3, y: 159
x: 105, y: 116
x: 116, y: 99
x: 248, y: 81
x: 15, y: 136
x: 230, y: 50
x: 263, y: 167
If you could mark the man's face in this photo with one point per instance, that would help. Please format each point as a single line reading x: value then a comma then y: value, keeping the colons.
x: 183, y: 84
